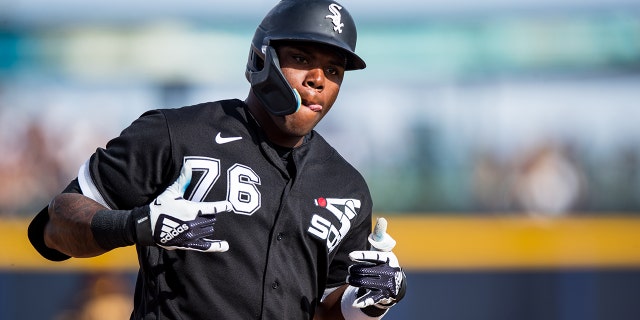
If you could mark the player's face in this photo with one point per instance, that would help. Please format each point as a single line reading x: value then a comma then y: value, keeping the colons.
x: 316, y: 71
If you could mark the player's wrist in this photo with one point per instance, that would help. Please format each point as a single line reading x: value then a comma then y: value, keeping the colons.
x: 120, y: 228
x: 113, y: 229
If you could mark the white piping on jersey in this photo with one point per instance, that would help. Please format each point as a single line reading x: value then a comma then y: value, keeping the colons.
x: 87, y: 186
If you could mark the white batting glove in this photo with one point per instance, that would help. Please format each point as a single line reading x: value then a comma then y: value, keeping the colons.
x: 177, y: 223
x: 377, y: 273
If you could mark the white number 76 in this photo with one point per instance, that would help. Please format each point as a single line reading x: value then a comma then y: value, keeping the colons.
x: 242, y: 181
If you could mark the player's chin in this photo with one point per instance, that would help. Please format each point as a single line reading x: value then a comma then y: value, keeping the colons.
x: 301, y: 126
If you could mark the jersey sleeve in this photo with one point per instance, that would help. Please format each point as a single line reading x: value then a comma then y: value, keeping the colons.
x: 133, y: 168
x: 355, y: 240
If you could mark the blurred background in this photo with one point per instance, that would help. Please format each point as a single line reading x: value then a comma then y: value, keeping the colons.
x: 500, y: 137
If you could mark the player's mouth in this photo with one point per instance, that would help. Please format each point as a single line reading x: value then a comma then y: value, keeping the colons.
x: 313, y: 106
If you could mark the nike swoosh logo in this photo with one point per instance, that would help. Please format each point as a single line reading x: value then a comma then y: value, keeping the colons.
x: 222, y: 140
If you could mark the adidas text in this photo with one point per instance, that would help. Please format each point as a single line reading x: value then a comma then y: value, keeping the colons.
x: 174, y: 233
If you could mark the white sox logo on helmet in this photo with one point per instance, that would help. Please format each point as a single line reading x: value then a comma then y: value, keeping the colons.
x: 336, y: 17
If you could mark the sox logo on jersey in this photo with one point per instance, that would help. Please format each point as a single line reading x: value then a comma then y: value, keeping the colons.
x: 344, y: 210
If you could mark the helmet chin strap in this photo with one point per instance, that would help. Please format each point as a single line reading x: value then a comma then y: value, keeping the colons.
x: 272, y: 88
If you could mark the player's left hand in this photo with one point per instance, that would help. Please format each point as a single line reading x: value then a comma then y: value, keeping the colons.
x: 377, y: 273
x: 177, y: 223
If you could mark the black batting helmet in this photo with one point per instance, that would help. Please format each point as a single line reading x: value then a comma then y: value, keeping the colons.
x: 321, y: 21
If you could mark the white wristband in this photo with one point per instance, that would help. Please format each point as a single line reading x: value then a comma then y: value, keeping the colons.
x: 349, y: 312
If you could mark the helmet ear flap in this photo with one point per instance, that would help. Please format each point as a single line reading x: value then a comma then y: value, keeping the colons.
x: 255, y: 63
x: 271, y: 87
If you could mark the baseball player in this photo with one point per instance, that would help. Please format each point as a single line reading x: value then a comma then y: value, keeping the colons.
x: 239, y: 209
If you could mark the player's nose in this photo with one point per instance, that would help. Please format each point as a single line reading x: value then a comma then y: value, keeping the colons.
x: 315, y: 78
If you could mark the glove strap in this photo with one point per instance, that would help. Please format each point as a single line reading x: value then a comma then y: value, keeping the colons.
x: 352, y: 313
x: 142, y: 226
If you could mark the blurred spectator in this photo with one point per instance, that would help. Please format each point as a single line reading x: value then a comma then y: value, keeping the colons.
x: 490, y: 183
x: 39, y: 158
x: 548, y: 181
x: 102, y: 296
x: 28, y: 170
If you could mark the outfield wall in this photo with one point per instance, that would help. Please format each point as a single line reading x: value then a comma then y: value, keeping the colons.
x: 459, y: 267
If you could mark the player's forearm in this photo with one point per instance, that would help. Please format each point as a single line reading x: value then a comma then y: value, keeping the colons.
x: 69, y: 226
x: 329, y: 308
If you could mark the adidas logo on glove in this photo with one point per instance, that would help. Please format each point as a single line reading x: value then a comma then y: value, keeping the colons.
x: 171, y: 229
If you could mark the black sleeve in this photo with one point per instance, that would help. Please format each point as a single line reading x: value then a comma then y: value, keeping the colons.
x: 133, y: 168
x: 35, y: 231
x: 355, y: 240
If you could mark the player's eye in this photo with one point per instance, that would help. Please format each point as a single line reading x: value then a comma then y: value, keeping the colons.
x: 300, y: 59
x: 332, y: 71
x: 335, y: 70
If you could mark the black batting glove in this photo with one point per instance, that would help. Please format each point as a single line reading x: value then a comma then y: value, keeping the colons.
x: 377, y: 273
x: 379, y: 277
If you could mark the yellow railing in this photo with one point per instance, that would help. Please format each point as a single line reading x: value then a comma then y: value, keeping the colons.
x: 429, y: 242
x: 478, y: 242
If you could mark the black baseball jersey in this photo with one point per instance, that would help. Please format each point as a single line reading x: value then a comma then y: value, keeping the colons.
x: 296, y: 216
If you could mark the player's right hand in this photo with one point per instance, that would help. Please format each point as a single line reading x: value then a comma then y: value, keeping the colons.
x: 177, y: 223
x: 377, y: 272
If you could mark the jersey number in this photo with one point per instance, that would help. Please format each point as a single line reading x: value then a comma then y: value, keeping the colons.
x: 242, y: 182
